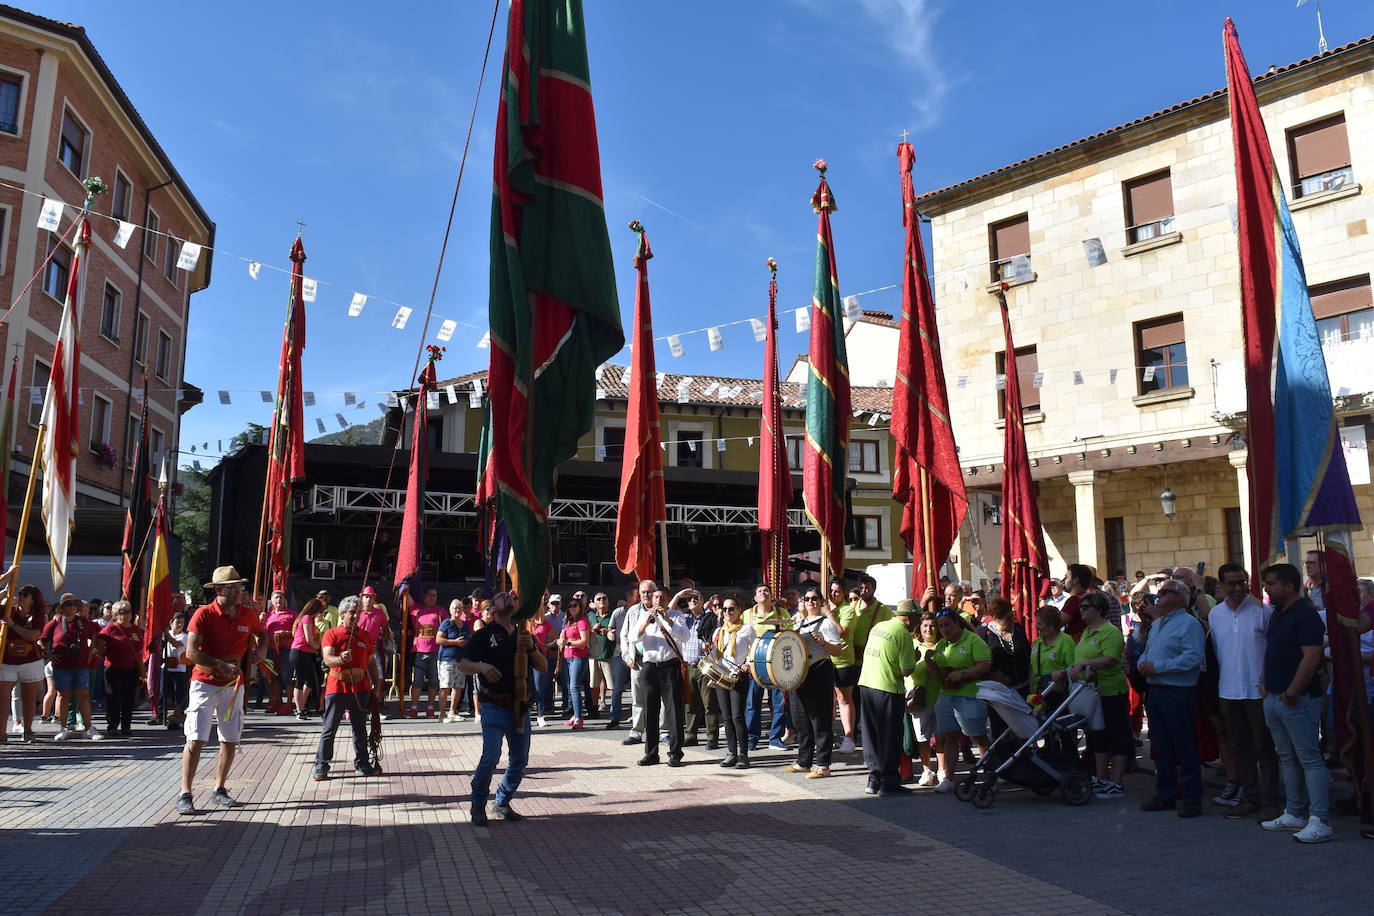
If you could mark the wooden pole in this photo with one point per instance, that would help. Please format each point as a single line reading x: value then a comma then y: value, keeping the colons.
x: 825, y: 564
x: 663, y: 551
x: 12, y: 574
x: 261, y: 549
x: 927, y: 530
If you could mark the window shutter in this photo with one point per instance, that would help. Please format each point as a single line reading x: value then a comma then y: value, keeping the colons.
x: 1150, y: 199
x: 1341, y: 297
x: 1011, y: 238
x: 1163, y: 333
x: 1027, y: 364
x: 1320, y: 147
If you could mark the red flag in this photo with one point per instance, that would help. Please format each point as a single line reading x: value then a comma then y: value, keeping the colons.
x: 642, y: 505
x: 138, y: 517
x: 413, y: 524
x: 1024, y: 577
x: 927, y: 481
x: 775, y: 477
x: 61, y: 419
x: 159, y: 613
x: 286, y: 445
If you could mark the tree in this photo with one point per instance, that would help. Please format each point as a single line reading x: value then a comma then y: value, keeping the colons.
x: 193, y: 523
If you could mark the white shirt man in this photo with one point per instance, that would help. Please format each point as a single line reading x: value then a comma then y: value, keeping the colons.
x: 629, y: 652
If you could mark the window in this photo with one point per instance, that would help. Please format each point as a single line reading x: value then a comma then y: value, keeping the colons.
x: 796, y: 452
x: 150, y: 236
x: 163, y: 364
x: 131, y: 442
x: 1149, y: 207
x: 141, y: 338
x: 1235, y: 538
x: 1160, y: 346
x: 109, y: 314
x: 122, y: 198
x: 169, y: 259
x: 4, y: 238
x: 1115, y: 530
x: 41, y: 373
x: 863, y: 457
x: 11, y: 93
x: 868, y: 532
x: 613, y: 438
x: 58, y: 271
x: 691, y: 451
x: 101, y: 411
x: 72, y: 144
x: 1343, y: 310
x: 434, y: 433
x: 1009, y: 240
x: 1027, y: 365
x: 157, y: 442
x: 1319, y: 155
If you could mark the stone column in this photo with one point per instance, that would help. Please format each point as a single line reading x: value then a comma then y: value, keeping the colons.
x: 1087, y: 501
x: 1240, y: 461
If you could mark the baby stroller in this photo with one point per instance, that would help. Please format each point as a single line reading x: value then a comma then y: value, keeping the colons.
x: 1039, y: 753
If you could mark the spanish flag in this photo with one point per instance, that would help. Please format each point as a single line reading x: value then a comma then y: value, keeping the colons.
x: 159, y: 611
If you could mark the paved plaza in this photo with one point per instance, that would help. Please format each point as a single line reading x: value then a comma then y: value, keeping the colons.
x: 89, y: 828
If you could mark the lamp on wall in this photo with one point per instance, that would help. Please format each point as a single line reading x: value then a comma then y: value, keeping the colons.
x: 1167, y: 500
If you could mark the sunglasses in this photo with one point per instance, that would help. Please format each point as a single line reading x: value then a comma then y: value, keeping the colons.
x: 812, y: 598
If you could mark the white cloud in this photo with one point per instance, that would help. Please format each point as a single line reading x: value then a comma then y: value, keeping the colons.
x: 909, y: 29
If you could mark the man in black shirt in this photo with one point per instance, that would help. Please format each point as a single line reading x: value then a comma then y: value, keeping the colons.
x: 490, y: 655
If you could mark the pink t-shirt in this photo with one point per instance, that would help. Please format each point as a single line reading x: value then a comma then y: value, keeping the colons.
x: 576, y: 631
x: 543, y: 634
x: 424, y: 623
x: 278, y: 626
x: 301, y: 628
x: 372, y: 623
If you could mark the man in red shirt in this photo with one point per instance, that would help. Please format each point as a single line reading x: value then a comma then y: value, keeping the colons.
x: 353, y: 669
x: 1080, y: 579
x: 219, y: 638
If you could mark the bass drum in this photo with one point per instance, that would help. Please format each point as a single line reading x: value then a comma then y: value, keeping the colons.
x: 779, y: 660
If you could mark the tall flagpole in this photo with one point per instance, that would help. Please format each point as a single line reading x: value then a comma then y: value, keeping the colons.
x: 12, y: 574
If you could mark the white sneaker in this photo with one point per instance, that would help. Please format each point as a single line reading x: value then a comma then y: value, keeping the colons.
x: 1284, y: 821
x: 62, y: 735
x: 1316, y: 831
x: 93, y: 735
x: 847, y: 745
x: 927, y: 779
x: 543, y: 722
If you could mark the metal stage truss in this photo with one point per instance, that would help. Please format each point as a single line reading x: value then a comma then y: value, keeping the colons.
x: 458, y: 511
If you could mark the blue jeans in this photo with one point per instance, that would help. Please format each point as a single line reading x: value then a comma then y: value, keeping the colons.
x: 543, y: 690
x: 498, y: 724
x: 620, y: 676
x: 753, y: 713
x: 1172, y: 711
x: 1306, y: 780
x: 577, y: 683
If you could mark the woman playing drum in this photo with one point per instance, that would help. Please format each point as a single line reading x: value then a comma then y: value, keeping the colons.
x: 816, y: 724
x: 732, y: 641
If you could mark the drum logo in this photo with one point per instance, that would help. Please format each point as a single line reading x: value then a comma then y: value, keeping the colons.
x: 788, y: 663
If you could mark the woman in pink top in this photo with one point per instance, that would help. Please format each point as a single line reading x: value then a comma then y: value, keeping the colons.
x: 277, y: 621
x: 305, y: 653
x: 576, y: 633
x: 541, y: 629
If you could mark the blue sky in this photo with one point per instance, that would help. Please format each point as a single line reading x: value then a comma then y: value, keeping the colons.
x: 709, y: 116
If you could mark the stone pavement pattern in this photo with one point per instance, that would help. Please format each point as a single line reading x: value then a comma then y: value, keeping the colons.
x: 90, y: 828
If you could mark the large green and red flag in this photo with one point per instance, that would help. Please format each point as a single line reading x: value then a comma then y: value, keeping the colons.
x: 7, y: 443
x: 1025, y: 570
x: 1299, y: 482
x: 927, y: 481
x: 553, y: 308
x: 286, y: 442
x: 642, y: 506
x: 138, y: 517
x: 159, y: 601
x: 826, y: 464
x: 775, y: 477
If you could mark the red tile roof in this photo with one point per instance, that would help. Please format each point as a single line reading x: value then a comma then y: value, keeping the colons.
x: 1219, y: 93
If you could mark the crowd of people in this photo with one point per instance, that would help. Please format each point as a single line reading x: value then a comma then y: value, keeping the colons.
x: 1219, y: 675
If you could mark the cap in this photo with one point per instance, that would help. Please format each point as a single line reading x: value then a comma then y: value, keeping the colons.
x: 555, y: 599
x: 69, y: 598
x: 368, y: 590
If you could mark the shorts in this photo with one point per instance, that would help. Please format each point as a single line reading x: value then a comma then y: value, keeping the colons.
x: 305, y: 667
x: 449, y: 676
x: 961, y: 714
x: 1116, y: 737
x: 212, y: 706
x: 422, y: 673
x: 848, y: 676
x: 71, y: 679
x: 601, y: 673
x: 25, y: 673
x: 923, y: 724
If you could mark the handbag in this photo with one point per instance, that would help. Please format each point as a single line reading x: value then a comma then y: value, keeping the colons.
x: 917, y: 699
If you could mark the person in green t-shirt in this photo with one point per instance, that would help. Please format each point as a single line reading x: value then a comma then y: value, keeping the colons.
x: 603, y: 649
x: 1101, y: 649
x: 1052, y: 650
x: 961, y: 659
x: 927, y: 637
x: 855, y: 619
x: 889, y: 658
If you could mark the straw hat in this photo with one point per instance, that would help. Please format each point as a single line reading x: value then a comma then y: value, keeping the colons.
x: 225, y: 575
x: 907, y: 606
x: 70, y: 598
